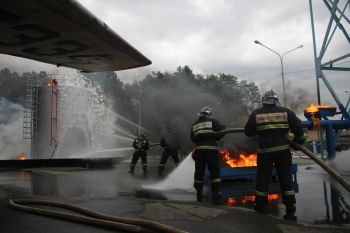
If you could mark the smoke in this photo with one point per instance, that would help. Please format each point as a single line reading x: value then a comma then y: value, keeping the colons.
x: 176, y: 105
x: 298, y: 98
x: 12, y: 143
x: 341, y: 162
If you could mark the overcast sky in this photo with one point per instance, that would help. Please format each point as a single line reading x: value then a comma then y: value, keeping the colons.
x: 218, y: 37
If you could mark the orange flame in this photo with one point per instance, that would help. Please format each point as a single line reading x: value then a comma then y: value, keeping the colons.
x: 241, y: 161
x: 21, y: 157
x: 315, y: 108
x: 231, y: 201
x: 273, y: 197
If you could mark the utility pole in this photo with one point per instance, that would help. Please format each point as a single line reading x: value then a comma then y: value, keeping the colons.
x: 281, y: 60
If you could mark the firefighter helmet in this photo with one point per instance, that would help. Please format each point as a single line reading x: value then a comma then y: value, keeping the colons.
x: 270, y: 97
x: 205, y: 112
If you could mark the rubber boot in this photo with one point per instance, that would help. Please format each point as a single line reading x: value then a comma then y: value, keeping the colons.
x: 290, y: 211
x: 217, y: 198
x: 200, y: 194
x: 145, y: 172
x: 132, y: 170
x: 259, y: 208
x: 160, y: 170
x: 260, y: 204
x: 199, y: 188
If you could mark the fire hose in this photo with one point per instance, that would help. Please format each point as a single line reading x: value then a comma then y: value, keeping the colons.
x: 312, y: 156
x: 154, y: 144
x: 92, y: 217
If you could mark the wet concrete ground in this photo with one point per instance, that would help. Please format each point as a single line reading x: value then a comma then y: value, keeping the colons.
x: 321, y: 207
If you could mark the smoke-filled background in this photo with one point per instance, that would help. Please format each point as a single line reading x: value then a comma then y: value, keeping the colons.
x: 12, y: 143
x: 164, y: 103
x: 175, y: 103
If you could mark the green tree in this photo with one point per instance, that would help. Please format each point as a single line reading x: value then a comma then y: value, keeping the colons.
x: 250, y: 95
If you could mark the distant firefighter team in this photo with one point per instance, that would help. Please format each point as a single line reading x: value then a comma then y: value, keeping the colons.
x: 270, y: 123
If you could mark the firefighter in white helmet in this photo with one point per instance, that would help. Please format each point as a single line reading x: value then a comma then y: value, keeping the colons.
x: 271, y: 123
x: 204, y: 135
x: 141, y: 146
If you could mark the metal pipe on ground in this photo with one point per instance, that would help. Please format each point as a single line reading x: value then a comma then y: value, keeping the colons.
x: 312, y: 156
x: 92, y: 217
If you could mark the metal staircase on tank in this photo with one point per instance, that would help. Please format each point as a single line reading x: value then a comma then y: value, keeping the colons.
x: 54, y: 115
x: 30, y: 116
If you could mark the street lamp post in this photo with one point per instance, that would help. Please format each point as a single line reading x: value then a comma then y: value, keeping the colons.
x: 138, y: 102
x: 281, y: 59
x: 140, y: 93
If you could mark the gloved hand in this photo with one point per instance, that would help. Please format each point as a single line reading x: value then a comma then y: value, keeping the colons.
x: 193, y: 154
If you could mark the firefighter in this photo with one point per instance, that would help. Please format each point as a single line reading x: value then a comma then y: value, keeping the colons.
x: 141, y: 146
x: 205, y: 137
x: 170, y: 144
x: 271, y: 123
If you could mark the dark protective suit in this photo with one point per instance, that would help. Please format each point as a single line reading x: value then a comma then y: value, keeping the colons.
x: 272, y: 123
x: 207, y: 154
x: 141, y: 146
x: 170, y: 149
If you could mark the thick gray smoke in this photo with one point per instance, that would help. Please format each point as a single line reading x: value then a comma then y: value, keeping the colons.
x: 176, y: 106
x: 298, y: 98
x: 12, y: 143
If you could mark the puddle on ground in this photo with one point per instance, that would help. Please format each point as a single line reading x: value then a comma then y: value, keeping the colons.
x: 319, y: 199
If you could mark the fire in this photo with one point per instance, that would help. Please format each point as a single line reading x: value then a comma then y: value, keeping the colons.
x: 21, y: 157
x: 231, y: 201
x: 241, y: 161
x: 273, y: 197
x: 312, y: 108
x: 315, y: 108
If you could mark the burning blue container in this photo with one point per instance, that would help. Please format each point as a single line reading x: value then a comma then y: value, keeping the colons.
x: 249, y: 173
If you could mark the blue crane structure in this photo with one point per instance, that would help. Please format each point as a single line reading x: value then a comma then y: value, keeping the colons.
x: 338, y: 22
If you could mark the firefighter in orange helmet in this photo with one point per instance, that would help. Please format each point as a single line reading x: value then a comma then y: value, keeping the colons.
x: 271, y: 123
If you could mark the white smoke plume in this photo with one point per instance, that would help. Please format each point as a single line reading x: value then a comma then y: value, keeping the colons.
x: 12, y: 143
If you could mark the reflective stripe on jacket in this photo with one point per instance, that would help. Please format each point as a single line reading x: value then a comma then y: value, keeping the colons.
x: 204, y: 133
x: 271, y: 123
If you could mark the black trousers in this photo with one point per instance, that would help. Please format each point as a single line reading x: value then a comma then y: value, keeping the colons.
x: 282, y: 160
x: 137, y: 154
x: 167, y: 152
x: 207, y: 158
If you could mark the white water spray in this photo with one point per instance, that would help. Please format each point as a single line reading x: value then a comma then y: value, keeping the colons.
x: 86, y: 123
x: 120, y: 117
x: 129, y: 139
x: 100, y: 153
x: 179, y: 178
x: 341, y: 162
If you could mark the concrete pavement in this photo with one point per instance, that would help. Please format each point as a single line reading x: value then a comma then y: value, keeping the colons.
x: 115, y: 192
